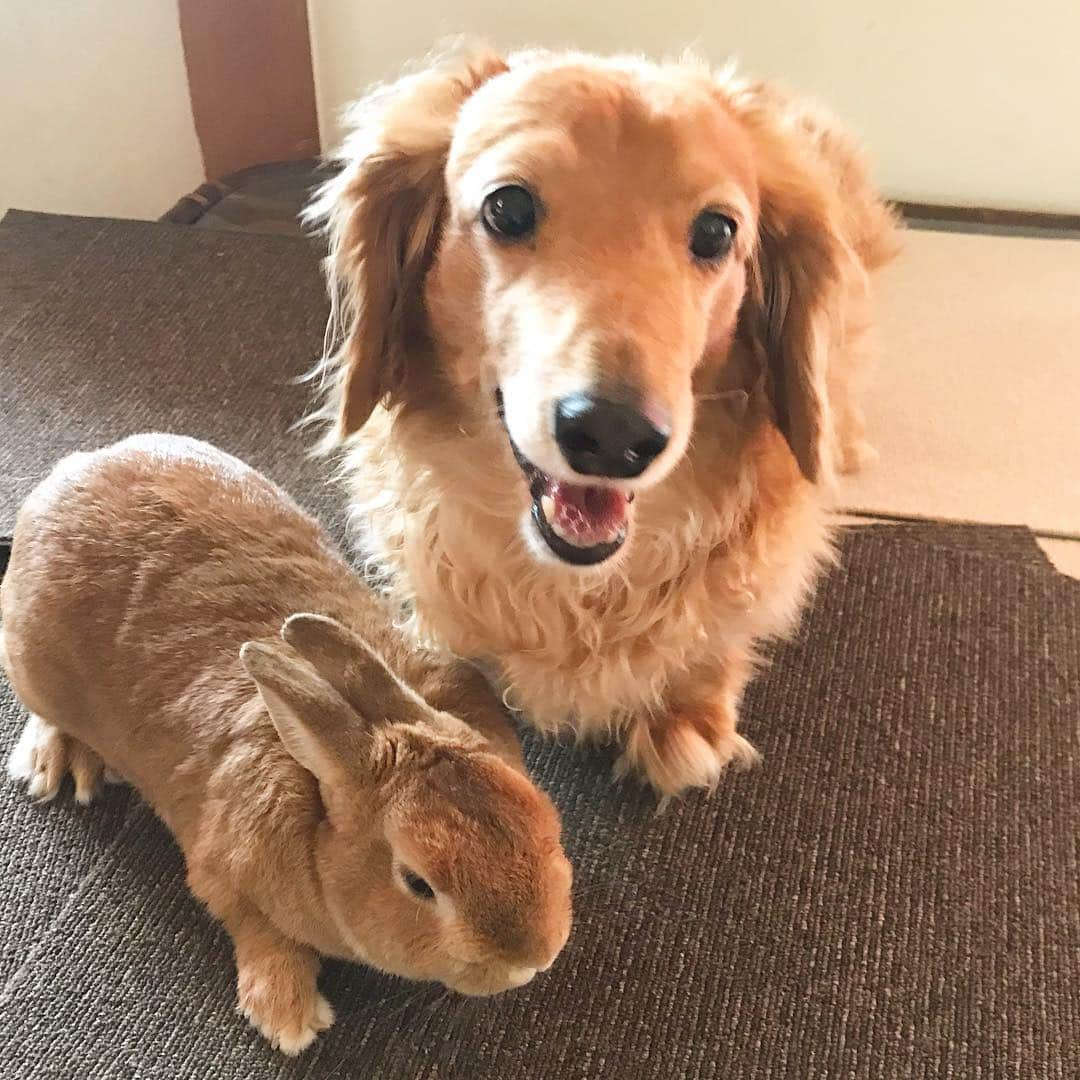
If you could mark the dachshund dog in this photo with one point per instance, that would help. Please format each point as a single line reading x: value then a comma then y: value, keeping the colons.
x: 595, y: 328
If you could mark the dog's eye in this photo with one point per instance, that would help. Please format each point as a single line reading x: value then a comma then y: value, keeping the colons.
x: 711, y: 235
x: 510, y: 212
x: 417, y: 885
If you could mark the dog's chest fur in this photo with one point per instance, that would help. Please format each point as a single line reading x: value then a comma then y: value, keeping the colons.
x: 714, y: 563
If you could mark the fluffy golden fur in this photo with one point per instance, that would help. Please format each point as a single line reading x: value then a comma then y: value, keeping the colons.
x: 754, y: 359
x: 304, y: 775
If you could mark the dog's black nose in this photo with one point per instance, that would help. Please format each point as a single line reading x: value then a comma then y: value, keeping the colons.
x: 599, y: 437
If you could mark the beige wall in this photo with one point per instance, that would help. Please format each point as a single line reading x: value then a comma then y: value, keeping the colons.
x: 94, y: 110
x: 962, y: 101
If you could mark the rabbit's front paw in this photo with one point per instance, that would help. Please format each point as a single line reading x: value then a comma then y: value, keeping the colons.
x: 285, y: 1006
x: 44, y: 754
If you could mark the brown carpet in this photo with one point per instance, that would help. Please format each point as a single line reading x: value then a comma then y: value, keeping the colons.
x: 894, y: 894
x: 112, y: 327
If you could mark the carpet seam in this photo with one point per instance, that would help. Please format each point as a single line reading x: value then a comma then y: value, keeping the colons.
x: 6, y: 996
x: 926, y: 519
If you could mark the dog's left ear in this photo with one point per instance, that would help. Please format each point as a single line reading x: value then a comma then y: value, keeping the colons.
x: 793, y: 308
x: 383, y: 212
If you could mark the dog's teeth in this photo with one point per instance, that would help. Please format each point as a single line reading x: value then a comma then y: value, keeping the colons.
x: 547, y: 507
x: 559, y: 531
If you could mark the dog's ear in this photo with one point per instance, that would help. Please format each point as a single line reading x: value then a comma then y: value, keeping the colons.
x: 792, y: 311
x: 383, y: 212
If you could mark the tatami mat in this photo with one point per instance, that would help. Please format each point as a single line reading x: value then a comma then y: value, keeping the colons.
x: 1064, y: 554
x: 974, y: 404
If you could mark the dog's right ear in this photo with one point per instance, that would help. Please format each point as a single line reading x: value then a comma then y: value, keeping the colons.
x: 383, y: 212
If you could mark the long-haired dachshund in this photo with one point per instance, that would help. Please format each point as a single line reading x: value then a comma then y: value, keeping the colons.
x: 595, y: 327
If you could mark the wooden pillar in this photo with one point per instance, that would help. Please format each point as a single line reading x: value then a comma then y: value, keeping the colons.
x: 251, y: 82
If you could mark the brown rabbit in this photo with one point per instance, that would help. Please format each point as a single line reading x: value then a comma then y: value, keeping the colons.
x: 333, y: 792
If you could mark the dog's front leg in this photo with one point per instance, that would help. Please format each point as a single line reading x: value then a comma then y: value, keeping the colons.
x: 692, y: 741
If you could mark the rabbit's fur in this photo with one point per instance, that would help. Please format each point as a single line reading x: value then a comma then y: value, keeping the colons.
x: 311, y: 766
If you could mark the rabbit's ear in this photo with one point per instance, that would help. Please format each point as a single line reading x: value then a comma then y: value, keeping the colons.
x: 315, y: 723
x: 349, y: 664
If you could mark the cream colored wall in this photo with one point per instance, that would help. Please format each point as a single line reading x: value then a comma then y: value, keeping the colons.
x: 962, y: 102
x: 95, y: 116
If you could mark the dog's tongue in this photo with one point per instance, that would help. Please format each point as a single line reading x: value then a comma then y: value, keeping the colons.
x: 587, y: 516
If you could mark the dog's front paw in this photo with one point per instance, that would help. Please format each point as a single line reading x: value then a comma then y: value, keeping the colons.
x: 688, y: 748
x: 287, y: 1011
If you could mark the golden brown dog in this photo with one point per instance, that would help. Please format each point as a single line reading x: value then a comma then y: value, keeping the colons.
x: 595, y: 326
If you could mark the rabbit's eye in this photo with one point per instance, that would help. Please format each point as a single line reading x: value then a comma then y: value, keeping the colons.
x: 417, y: 885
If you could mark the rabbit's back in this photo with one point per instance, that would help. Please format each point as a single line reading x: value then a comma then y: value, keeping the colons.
x: 136, y: 574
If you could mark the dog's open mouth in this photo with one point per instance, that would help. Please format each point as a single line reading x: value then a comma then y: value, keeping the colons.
x: 583, y: 524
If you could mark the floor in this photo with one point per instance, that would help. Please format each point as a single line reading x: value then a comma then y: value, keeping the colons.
x: 973, y: 401
x: 896, y: 892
